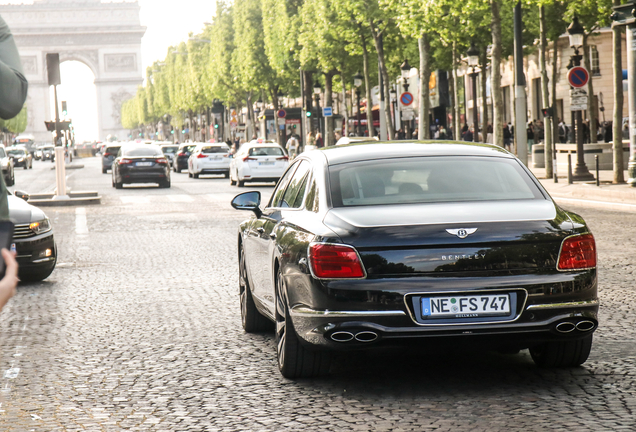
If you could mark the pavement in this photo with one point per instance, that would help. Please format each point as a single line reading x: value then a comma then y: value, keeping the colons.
x: 607, y: 195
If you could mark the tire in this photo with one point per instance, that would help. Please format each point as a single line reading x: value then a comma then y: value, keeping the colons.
x: 226, y: 175
x: 232, y: 182
x: 104, y: 171
x: 177, y: 170
x: 11, y: 180
x: 189, y: 174
x: 562, y: 354
x: 164, y: 184
x: 36, y: 275
x: 241, y: 183
x: 251, y: 318
x: 119, y: 185
x: 26, y: 166
x: 195, y: 175
x: 294, y: 360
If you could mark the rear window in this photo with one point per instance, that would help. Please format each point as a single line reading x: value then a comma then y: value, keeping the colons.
x: 112, y: 150
x: 170, y: 150
x: 142, y: 151
x: 430, y: 179
x: 214, y: 149
x: 266, y: 151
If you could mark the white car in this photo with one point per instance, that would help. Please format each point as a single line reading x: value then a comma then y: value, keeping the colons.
x: 209, y: 159
x: 258, y: 162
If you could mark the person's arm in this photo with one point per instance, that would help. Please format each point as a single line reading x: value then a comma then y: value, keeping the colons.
x: 13, y: 84
x: 10, y: 279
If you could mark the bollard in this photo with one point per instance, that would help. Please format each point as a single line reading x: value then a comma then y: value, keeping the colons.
x: 598, y: 180
x: 554, y: 168
x: 569, y: 168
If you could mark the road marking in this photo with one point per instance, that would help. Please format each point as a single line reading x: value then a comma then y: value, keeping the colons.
x: 134, y: 200
x: 81, y: 224
x: 181, y: 198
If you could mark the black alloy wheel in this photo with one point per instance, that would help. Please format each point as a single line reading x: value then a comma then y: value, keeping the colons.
x: 294, y: 360
x: 562, y: 354
x: 251, y: 318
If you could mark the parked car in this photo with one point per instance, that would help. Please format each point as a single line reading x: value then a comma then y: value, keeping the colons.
x: 7, y: 167
x: 108, y: 156
x: 21, y: 157
x: 209, y: 159
x: 420, y: 243
x: 141, y: 163
x: 183, y: 154
x: 48, y: 152
x: 169, y: 150
x: 258, y: 162
x: 33, y: 238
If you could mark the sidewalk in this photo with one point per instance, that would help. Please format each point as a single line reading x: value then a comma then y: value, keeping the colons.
x: 607, y: 195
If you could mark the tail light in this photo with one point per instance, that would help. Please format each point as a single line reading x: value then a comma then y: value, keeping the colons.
x: 182, y: 154
x: 331, y: 261
x: 125, y: 162
x: 577, y: 252
x: 201, y: 156
x: 283, y: 158
x: 247, y: 158
x: 107, y: 154
x: 162, y: 161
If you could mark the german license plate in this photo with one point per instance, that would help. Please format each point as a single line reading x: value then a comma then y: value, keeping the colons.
x: 265, y: 163
x: 468, y: 306
x: 143, y: 164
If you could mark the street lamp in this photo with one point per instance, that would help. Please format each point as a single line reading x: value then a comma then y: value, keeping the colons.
x: 357, y: 82
x: 393, y: 99
x: 317, y: 91
x: 473, y: 61
x: 575, y: 33
x: 406, y: 69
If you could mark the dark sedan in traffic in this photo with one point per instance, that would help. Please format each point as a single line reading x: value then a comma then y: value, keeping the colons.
x: 180, y: 161
x: 423, y: 244
x: 141, y: 163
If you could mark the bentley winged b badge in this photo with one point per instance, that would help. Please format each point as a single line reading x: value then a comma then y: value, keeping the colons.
x: 462, y: 232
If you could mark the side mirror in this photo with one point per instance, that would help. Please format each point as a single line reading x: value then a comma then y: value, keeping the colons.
x: 248, y: 201
x: 25, y: 196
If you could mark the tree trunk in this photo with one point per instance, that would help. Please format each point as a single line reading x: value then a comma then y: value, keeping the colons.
x: 617, y: 126
x: 553, y: 84
x: 280, y: 133
x: 367, y: 87
x: 328, y: 138
x: 547, y: 126
x: 483, y: 81
x: 591, y: 105
x: 379, y: 47
x: 455, y: 95
x: 451, y: 90
x: 250, y: 128
x: 495, y: 78
x: 345, y: 111
x: 424, y: 46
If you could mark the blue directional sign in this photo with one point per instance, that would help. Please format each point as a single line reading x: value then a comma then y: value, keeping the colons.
x: 327, y: 112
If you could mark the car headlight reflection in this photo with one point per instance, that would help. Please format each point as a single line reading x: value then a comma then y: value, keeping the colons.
x: 41, y: 227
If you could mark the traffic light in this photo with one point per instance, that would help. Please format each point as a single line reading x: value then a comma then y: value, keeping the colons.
x: 308, y: 114
x: 216, y: 125
x: 64, y: 109
x: 547, y: 112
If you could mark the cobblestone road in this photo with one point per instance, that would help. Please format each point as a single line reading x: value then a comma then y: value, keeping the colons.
x: 139, y: 328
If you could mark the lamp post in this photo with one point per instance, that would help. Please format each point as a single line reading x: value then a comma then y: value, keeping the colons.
x: 575, y: 33
x: 357, y: 82
x: 405, y: 69
x: 317, y: 91
x: 393, y: 98
x: 473, y: 61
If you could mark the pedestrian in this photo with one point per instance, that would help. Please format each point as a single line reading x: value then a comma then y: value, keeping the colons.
x: 400, y: 134
x: 563, y: 132
x: 311, y: 140
x: 13, y: 93
x: 415, y: 133
x: 608, y: 136
x: 441, y: 132
x: 530, y: 136
x: 506, y: 137
x: 319, y: 142
x: 468, y: 135
x: 292, y: 146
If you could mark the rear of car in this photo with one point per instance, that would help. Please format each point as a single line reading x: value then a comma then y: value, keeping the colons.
x: 180, y: 161
x: 108, y: 156
x: 141, y: 163
x: 261, y: 163
x: 210, y: 159
x: 169, y: 152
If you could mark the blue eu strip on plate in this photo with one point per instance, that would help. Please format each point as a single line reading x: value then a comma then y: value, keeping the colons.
x: 426, y: 306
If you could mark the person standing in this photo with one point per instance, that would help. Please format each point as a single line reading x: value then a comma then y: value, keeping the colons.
x: 292, y: 146
x: 506, y: 137
x: 530, y: 136
x: 311, y: 140
x: 319, y: 142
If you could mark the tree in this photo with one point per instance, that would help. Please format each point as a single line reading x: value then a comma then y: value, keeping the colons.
x: 617, y: 132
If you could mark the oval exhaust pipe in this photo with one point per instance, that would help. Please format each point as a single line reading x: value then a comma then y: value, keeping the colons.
x: 366, y: 336
x: 585, y: 325
x: 565, y: 327
x: 342, y: 336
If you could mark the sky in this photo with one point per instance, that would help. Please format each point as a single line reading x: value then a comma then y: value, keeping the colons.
x: 168, y: 22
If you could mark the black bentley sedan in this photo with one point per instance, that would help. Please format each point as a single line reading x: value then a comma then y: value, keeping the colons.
x: 33, y: 238
x: 417, y: 243
x: 140, y: 163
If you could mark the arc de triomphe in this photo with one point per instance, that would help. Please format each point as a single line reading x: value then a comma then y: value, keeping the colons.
x: 104, y: 36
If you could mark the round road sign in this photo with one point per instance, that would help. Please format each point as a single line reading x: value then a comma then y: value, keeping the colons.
x: 578, y: 77
x: 281, y: 113
x: 406, y: 98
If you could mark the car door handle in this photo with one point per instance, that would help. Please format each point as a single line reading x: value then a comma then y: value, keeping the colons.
x: 260, y: 230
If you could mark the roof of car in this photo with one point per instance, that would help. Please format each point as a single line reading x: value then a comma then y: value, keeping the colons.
x: 379, y: 150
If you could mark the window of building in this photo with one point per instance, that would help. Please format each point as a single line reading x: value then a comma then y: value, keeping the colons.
x: 594, y: 61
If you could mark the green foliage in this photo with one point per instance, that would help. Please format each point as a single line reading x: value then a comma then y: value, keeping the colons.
x: 17, y: 124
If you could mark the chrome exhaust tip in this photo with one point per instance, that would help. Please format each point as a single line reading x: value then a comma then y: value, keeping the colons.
x: 585, y: 326
x: 341, y: 336
x: 565, y: 327
x: 366, y: 336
